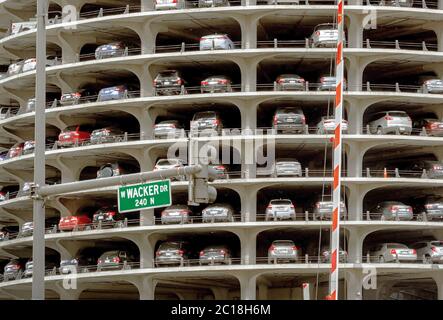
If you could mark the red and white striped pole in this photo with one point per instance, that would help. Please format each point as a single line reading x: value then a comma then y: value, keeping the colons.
x: 336, y: 199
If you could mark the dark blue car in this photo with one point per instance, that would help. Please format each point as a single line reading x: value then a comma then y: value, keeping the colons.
x: 113, y: 93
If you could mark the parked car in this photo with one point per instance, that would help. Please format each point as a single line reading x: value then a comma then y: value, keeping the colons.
x: 80, y: 264
x: 323, y: 208
x: 434, y: 169
x: 108, y: 217
x: 169, y: 129
x: 15, y: 68
x: 325, y: 35
x: 289, y: 119
x: 171, y: 4
x: 13, y: 270
x: 432, y: 126
x: 287, y: 168
x: 206, y: 123
x: 30, y: 64
x: 328, y: 83
x: 114, y: 93
x: 219, y: 171
x: 73, y: 98
x: 16, y: 150
x: 76, y: 135
x: 28, y: 147
x: 213, y: 3
x: 327, y: 125
x: 390, y: 122
x: 106, y: 135
x: 164, y: 164
x: 216, y: 84
x: 290, y: 82
x: 111, y: 50
x: 72, y: 223
x: 397, y: 3
x: 215, y: 255
x: 218, y: 212
x: 172, y: 253
x: 392, y: 210
x: 325, y: 255
x: 2, y: 196
x: 431, y: 86
x: 27, y: 229
x: 169, y: 82
x: 176, y: 213
x: 29, y: 267
x: 30, y: 105
x: 430, y: 251
x: 390, y: 252
x: 6, y: 112
x: 25, y: 189
x: 429, y: 208
x: 4, y: 235
x: 280, y: 209
x: 283, y: 250
x: 216, y: 42
x: 116, y: 259
x: 114, y: 169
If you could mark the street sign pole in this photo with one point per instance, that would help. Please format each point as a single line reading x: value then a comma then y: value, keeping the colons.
x: 38, y: 242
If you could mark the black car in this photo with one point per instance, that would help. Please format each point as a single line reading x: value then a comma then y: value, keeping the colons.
x: 115, y: 259
x: 433, y: 169
x: 14, y: 269
x: 428, y: 207
x: 80, y: 264
x: 169, y: 82
x: 106, y: 135
x: 108, y: 217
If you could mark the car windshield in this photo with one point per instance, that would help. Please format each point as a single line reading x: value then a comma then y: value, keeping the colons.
x: 205, y: 115
x: 289, y: 111
x: 168, y: 122
x: 396, y: 246
x: 284, y: 243
x: 398, y: 114
x: 167, y: 74
x: 70, y: 128
x: 390, y: 203
x: 281, y: 202
x: 437, y: 243
x: 109, y: 254
x: 325, y: 27
x: 169, y: 246
x: 178, y: 207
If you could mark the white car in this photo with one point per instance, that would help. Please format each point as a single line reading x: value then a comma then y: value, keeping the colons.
x: 287, y: 168
x: 164, y: 164
x: 327, y: 125
x: 15, y: 68
x: 325, y: 35
x: 280, y: 209
x: 391, y: 252
x: 31, y: 64
x: 216, y: 42
x: 430, y: 251
x: 283, y: 1
x: 170, y: 4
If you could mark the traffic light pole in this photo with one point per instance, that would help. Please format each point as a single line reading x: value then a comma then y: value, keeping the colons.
x: 38, y: 242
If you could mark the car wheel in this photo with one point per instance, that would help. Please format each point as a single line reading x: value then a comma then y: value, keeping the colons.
x: 379, y: 130
x: 381, y: 259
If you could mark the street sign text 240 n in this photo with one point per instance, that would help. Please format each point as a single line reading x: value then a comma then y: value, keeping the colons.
x: 153, y: 194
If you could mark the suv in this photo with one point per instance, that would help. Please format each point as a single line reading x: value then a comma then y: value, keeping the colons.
x: 176, y: 213
x: 286, y: 82
x: 169, y: 82
x: 390, y: 122
x: 114, y: 169
x: 70, y: 223
x: 285, y: 250
x: 169, y: 129
x: 206, y: 123
x: 216, y: 42
x: 325, y: 35
x: 106, y: 135
x: 429, y: 208
x: 322, y: 208
x: 29, y: 267
x: 76, y: 135
x: 172, y: 252
x: 215, y: 255
x: 392, y: 210
x: 289, y: 119
x: 216, y: 84
x: 116, y: 259
x: 108, y: 217
x: 218, y: 212
x: 213, y: 3
x: 111, y: 50
x: 280, y: 209
x: 432, y: 126
x: 429, y: 251
x: 390, y: 252
x: 13, y: 269
x: 16, y: 150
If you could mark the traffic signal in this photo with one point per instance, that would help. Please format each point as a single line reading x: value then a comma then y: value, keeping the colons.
x: 199, y: 190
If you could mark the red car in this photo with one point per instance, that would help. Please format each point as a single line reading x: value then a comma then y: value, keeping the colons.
x: 73, y: 135
x: 69, y: 223
x: 433, y: 127
x: 16, y: 150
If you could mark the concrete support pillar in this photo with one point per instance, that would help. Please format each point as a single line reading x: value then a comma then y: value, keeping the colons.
x: 247, y: 286
x: 249, y: 163
x: 71, y: 45
x: 355, y: 30
x: 354, y: 290
x: 354, y: 158
x: 262, y: 291
x: 71, y: 293
x: 355, y: 67
x: 355, y: 245
x: 220, y: 293
x: 248, y: 198
x: 70, y: 169
x: 148, y: 35
x: 355, y: 109
x: 248, y: 246
x: 248, y: 113
x: 248, y: 26
x: 248, y: 69
x: 355, y: 202
x: 147, y: 5
x: 438, y: 278
x: 147, y: 217
x: 146, y: 246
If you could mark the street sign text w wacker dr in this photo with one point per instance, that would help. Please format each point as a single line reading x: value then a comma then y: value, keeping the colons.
x: 153, y: 194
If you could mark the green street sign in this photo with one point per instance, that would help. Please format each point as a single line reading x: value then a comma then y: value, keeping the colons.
x: 149, y: 195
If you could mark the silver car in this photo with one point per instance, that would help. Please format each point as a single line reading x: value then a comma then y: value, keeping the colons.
x: 177, y: 213
x: 169, y: 129
x: 15, y: 68
x: 432, y: 86
x: 31, y: 64
x: 325, y: 255
x: 327, y: 125
x: 323, y: 208
x: 216, y: 42
x: 290, y: 82
x: 283, y: 2
x: 111, y: 50
x: 328, y: 83
x: 397, y: 3
x: 325, y: 35
x: 280, y: 209
x: 392, y: 252
x: 283, y: 250
x: 218, y: 212
x: 215, y: 255
x: 206, y: 123
x: 170, y: 4
x: 289, y: 119
x: 392, y: 210
x: 27, y: 229
x: 287, y: 168
x: 429, y: 208
x: 172, y: 253
x: 213, y: 3
x: 430, y: 251
x: 216, y: 84
x: 171, y: 163
x: 30, y: 105
x: 390, y: 122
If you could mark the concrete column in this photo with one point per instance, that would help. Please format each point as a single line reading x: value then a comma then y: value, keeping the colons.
x: 248, y: 113
x: 248, y: 198
x: 354, y: 290
x: 220, y: 293
x: 355, y: 69
x: 354, y: 160
x: 262, y: 291
x: 68, y: 294
x: 248, y: 69
x: 438, y: 278
x: 148, y: 36
x: 249, y: 164
x: 247, y: 286
x: 147, y: 217
x: 249, y: 2
x: 248, y: 246
x: 355, y: 112
x: 355, y: 245
x: 145, y: 285
x: 147, y: 5
x: 355, y: 202
x: 71, y: 45
x: 248, y: 27
x: 355, y: 30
